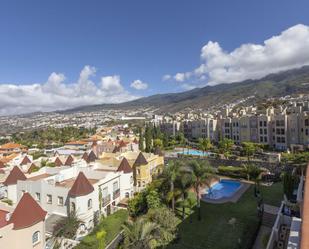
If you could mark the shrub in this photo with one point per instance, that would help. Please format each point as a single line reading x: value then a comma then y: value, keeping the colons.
x: 231, y: 171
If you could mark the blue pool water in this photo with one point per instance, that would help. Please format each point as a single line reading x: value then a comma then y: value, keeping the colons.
x: 224, y: 188
x: 193, y: 152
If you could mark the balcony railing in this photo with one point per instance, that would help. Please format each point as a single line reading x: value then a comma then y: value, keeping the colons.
x: 106, y: 200
x: 116, y: 194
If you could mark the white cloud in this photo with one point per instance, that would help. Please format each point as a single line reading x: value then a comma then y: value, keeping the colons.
x: 111, y: 84
x: 166, y: 77
x: 139, y: 85
x: 57, y: 95
x: 252, y: 61
x: 180, y: 77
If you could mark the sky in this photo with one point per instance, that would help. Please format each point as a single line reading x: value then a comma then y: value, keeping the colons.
x: 62, y: 54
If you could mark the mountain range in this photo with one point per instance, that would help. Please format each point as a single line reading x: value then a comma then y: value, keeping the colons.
x: 290, y: 82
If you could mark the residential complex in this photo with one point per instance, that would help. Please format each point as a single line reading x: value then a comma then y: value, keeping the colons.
x: 281, y: 128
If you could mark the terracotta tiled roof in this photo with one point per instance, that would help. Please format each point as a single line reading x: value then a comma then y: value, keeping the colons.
x: 15, y: 175
x: 31, y: 168
x: 3, y: 219
x: 69, y: 161
x: 27, y: 213
x: 92, y: 156
x: 81, y: 186
x: 125, y: 166
x: 58, y: 162
x: 25, y: 161
x: 140, y: 160
x: 77, y: 143
x: 116, y: 149
x: 85, y: 156
x: 2, y: 164
x: 9, y: 146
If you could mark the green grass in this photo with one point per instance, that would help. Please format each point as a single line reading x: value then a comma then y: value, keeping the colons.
x: 273, y: 195
x: 111, y: 225
x: 215, y: 232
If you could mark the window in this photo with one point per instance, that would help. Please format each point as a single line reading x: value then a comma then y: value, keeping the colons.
x: 89, y: 203
x: 36, y: 237
x: 265, y: 131
x: 261, y: 139
x: 265, y: 123
x: 38, y: 196
x: 73, y: 208
x: 60, y: 200
x: 261, y: 123
x: 49, y: 199
x: 115, y: 186
x: 138, y: 171
x: 105, y: 192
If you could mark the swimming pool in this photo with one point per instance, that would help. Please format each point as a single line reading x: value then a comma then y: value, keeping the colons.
x: 222, y: 189
x: 193, y: 152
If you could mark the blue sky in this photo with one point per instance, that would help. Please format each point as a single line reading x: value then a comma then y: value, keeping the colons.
x: 136, y: 40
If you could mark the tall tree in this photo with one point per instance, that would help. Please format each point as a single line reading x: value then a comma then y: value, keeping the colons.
x: 184, y: 183
x: 202, y: 174
x: 170, y: 173
x: 141, y: 140
x: 148, y: 138
x: 204, y: 144
x: 249, y: 149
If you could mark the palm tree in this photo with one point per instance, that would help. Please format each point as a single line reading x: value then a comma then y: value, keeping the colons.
x: 202, y: 174
x: 204, y: 144
x: 184, y: 182
x: 141, y: 234
x: 171, y: 173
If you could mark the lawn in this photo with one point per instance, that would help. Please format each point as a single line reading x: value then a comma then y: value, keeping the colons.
x: 273, y: 195
x: 111, y: 225
x: 215, y: 231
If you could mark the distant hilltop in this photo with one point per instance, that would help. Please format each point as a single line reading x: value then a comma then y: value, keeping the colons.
x: 290, y: 82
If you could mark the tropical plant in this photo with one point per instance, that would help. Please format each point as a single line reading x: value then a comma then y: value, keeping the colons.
x: 184, y: 184
x: 204, y: 144
x: 249, y: 149
x: 67, y: 227
x: 201, y: 175
x: 171, y: 173
x: 141, y: 234
x: 100, y: 236
x: 153, y: 199
x: 225, y: 146
x: 167, y: 222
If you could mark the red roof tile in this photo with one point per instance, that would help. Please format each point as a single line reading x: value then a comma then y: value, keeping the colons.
x: 92, y: 156
x: 31, y: 168
x: 69, y: 161
x: 15, y: 175
x: 27, y: 213
x: 25, y: 161
x: 3, y: 218
x: 125, y: 166
x: 2, y: 164
x: 58, y: 162
x: 140, y: 160
x: 81, y: 186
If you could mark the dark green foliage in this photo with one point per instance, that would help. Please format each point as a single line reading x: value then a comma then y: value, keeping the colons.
x: 44, y: 138
x: 289, y: 184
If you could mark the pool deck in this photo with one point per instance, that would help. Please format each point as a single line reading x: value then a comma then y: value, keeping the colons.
x: 235, y: 197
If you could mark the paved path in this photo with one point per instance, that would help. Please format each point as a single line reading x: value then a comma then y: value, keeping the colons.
x: 259, y: 239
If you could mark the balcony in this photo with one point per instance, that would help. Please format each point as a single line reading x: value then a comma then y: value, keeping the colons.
x: 106, y: 200
x: 116, y: 194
